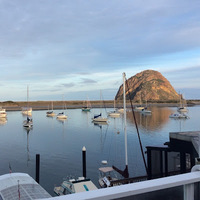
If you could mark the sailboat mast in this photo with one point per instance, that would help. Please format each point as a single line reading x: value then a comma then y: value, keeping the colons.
x: 125, y: 132
x: 27, y: 98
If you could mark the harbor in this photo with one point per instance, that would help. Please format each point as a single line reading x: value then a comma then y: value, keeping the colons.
x: 59, y: 142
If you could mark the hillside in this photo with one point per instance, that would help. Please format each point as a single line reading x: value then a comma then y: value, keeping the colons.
x: 148, y: 85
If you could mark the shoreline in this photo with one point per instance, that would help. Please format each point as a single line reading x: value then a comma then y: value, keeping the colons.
x: 46, y: 105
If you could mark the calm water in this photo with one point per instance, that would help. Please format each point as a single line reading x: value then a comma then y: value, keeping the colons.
x: 60, y: 143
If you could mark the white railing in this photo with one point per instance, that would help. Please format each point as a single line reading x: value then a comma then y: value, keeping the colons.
x: 186, y: 180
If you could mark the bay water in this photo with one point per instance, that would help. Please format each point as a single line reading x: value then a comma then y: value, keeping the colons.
x: 60, y: 143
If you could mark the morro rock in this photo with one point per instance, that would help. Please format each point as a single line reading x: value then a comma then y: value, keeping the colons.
x: 148, y: 85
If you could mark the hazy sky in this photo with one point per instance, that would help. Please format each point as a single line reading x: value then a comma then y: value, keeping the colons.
x: 76, y: 48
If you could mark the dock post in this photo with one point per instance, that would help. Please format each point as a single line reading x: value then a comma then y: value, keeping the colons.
x: 37, y: 176
x: 84, y: 161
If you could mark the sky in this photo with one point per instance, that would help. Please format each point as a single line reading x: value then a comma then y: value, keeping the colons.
x: 73, y: 49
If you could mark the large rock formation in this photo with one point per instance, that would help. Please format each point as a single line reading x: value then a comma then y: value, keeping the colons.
x: 148, y: 85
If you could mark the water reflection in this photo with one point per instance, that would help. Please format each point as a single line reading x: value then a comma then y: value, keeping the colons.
x: 152, y: 122
x: 60, y: 141
x: 61, y: 120
x: 100, y: 123
x: 28, y: 129
x: 3, y: 121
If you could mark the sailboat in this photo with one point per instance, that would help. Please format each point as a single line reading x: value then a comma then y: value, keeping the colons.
x: 3, y: 113
x: 62, y: 115
x: 182, y: 108
x: 145, y: 111
x: 105, y: 172
x: 140, y: 107
x: 98, y: 118
x: 27, y: 110
x: 28, y: 123
x: 114, y: 113
x: 51, y: 113
x: 87, y: 107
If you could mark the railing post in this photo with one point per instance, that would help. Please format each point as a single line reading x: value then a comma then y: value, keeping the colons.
x: 189, y: 191
x: 37, y: 178
x: 84, y: 161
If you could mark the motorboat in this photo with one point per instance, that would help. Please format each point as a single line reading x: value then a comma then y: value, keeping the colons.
x: 28, y: 123
x: 106, y: 176
x: 61, y: 116
x: 179, y: 116
x: 71, y: 186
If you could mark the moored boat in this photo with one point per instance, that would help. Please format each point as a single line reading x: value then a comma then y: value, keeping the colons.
x: 106, y: 176
x: 99, y: 118
x: 3, y: 113
x: 87, y: 106
x: 61, y: 116
x: 75, y: 186
x: 139, y: 108
x: 21, y: 186
x: 145, y: 111
x: 179, y: 116
x: 26, y: 110
x: 182, y: 109
x: 114, y: 113
x: 28, y: 123
x: 51, y: 113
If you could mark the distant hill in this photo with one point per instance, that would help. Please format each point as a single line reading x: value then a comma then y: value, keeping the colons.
x: 148, y: 85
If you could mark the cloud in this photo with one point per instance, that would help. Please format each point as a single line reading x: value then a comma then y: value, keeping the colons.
x: 68, y: 85
x: 68, y: 43
x: 87, y: 80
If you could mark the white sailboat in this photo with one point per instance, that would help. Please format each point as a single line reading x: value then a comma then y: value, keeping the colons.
x: 98, y: 118
x: 140, y: 107
x: 62, y: 115
x: 145, y: 110
x: 3, y: 113
x: 114, y: 113
x: 106, y: 178
x: 27, y: 110
x: 182, y: 107
x: 28, y: 123
x: 51, y: 113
